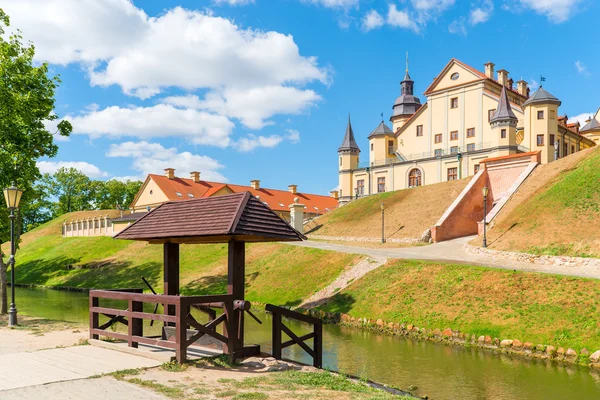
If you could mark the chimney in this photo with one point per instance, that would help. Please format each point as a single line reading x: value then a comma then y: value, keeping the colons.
x: 292, y: 189
x: 489, y: 69
x: 195, y: 176
x: 503, y: 77
x: 255, y: 184
x: 511, y: 83
x: 335, y: 194
x: 522, y: 88
x: 170, y: 173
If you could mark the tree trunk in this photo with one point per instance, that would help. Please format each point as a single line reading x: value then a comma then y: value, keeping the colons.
x: 3, y: 286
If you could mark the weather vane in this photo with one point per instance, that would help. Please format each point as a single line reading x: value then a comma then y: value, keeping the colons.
x: 381, y: 117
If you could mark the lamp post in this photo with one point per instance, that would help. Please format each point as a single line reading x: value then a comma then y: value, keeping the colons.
x: 12, y: 195
x: 459, y: 156
x: 382, y: 223
x: 485, y: 191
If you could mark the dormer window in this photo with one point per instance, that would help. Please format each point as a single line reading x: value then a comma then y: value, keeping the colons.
x: 190, y: 195
x: 178, y: 194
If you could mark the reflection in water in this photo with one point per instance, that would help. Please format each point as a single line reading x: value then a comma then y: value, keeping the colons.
x: 439, y: 371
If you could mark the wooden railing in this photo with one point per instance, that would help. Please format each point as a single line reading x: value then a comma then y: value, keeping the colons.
x: 177, y: 314
x: 278, y: 327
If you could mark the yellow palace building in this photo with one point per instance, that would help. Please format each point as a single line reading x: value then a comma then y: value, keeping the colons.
x: 469, y: 116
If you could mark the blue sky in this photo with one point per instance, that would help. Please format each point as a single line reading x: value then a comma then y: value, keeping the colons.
x: 242, y: 89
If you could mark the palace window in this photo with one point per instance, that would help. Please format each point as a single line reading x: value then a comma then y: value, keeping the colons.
x: 572, y: 149
x: 371, y: 146
x: 540, y: 140
x: 381, y: 184
x: 540, y: 114
x: 471, y: 132
x: 340, y: 161
x: 476, y: 169
x: 414, y: 178
x: 419, y: 130
x: 360, y: 187
x: 452, y: 174
x: 454, y: 135
x: 503, y: 134
x: 454, y: 102
x: 438, y: 152
x: 438, y: 138
x: 552, y: 114
x: 390, y: 147
x: 565, y: 149
x: 471, y: 147
x: 552, y: 140
x: 454, y: 150
x: 491, y: 114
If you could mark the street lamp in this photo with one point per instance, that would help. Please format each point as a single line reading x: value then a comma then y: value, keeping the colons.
x: 485, y: 191
x: 382, y: 223
x: 12, y: 195
x: 459, y: 156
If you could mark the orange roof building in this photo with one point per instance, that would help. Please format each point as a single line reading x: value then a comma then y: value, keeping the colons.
x: 158, y: 189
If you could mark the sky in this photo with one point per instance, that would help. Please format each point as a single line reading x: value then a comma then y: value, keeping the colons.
x: 262, y: 89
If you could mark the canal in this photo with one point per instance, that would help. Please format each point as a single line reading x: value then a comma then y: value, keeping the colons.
x: 437, y: 370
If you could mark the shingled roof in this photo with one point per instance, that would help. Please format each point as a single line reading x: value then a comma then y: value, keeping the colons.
x: 542, y: 96
x: 504, y: 112
x: 349, y: 143
x: 381, y: 130
x: 218, y: 219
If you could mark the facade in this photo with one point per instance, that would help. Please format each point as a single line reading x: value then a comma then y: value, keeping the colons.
x: 469, y: 116
x: 158, y: 189
x: 591, y: 129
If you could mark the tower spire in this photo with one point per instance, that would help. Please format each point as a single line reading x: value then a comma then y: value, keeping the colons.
x: 349, y: 143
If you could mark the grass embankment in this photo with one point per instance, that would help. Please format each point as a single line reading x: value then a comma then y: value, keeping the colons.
x: 555, y: 212
x: 540, y: 308
x: 275, y: 273
x: 408, y: 212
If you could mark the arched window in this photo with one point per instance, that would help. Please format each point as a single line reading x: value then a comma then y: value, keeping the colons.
x: 414, y: 178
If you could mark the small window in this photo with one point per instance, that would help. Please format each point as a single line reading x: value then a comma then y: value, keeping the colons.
x: 419, y: 130
x: 471, y: 132
x: 452, y: 174
x: 552, y: 114
x: 454, y: 135
x: 491, y: 114
x: 552, y: 140
x: 503, y: 133
x: 151, y: 191
x: 454, y: 76
x: 454, y: 150
x: 414, y: 178
x: 360, y: 187
x: 476, y: 169
x: 454, y: 102
x: 540, y: 114
x: 178, y: 194
x: 471, y: 147
x: 572, y: 149
x: 281, y: 205
x: 190, y: 195
x: 316, y: 208
x: 540, y: 140
x: 371, y: 146
x: 391, y: 147
x: 438, y: 152
x: 381, y: 184
x: 438, y: 138
x: 340, y: 161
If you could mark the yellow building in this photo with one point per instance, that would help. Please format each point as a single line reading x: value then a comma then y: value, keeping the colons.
x: 469, y: 116
x: 591, y: 129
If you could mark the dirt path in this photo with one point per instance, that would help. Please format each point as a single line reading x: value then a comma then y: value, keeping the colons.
x: 454, y: 251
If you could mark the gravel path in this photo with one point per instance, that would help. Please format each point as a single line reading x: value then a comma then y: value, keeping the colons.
x: 455, y: 251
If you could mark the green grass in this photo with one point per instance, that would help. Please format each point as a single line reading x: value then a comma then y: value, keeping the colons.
x: 540, y: 308
x: 272, y: 269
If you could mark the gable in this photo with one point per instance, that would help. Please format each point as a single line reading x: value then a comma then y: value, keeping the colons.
x: 444, y: 80
x: 221, y: 191
x: 149, y: 194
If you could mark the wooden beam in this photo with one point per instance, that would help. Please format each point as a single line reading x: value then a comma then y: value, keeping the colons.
x: 171, y: 273
x: 236, y: 271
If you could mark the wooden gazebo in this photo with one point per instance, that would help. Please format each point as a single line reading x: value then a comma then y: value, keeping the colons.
x: 234, y: 219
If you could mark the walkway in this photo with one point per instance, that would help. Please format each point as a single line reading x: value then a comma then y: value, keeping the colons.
x: 453, y: 251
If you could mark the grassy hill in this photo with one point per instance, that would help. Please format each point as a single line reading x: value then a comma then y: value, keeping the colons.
x: 408, y: 212
x: 556, y: 211
x: 46, y: 258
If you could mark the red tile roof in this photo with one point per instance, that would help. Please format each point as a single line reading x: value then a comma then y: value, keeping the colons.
x: 277, y: 200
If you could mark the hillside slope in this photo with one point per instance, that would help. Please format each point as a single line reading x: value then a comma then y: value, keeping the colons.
x: 408, y: 212
x: 556, y: 211
x: 273, y: 270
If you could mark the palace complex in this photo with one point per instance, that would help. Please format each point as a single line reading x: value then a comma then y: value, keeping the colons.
x: 469, y: 116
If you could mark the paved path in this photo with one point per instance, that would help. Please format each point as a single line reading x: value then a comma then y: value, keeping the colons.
x: 26, y: 369
x: 453, y: 251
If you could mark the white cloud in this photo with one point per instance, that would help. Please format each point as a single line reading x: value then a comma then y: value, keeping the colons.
x: 161, y: 120
x: 458, y: 27
x: 233, y: 2
x: 346, y: 4
x: 88, y: 169
x: 481, y: 14
x: 153, y: 158
x: 533, y: 85
x: 581, y: 68
x: 293, y: 136
x: 252, y: 142
x: 556, y: 11
x: 430, y: 9
x: 400, y: 18
x: 581, y: 118
x: 254, y: 106
x: 372, y: 20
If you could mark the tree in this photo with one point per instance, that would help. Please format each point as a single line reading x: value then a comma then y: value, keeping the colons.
x: 115, y: 194
x: 26, y: 108
x: 72, y: 189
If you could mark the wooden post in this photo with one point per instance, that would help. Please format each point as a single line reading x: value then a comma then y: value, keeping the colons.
x: 229, y: 332
x: 318, y: 346
x: 181, y: 313
x: 236, y: 271
x: 137, y: 324
x: 171, y: 274
x: 276, y: 336
x: 93, y: 317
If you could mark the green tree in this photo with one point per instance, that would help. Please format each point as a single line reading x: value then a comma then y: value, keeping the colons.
x: 73, y: 190
x: 26, y: 108
x: 115, y: 194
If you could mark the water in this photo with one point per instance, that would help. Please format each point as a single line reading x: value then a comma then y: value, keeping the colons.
x: 439, y: 371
